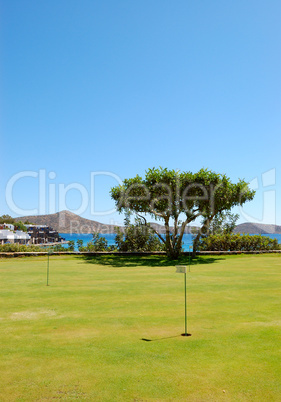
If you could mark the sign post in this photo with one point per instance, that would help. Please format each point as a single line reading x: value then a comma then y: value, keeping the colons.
x: 181, y: 269
x: 190, y: 247
x: 48, y: 263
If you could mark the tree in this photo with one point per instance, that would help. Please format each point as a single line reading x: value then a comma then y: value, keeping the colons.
x: 137, y: 237
x: 71, y: 245
x: 9, y: 220
x: 20, y: 226
x: 6, y: 219
x: 98, y: 243
x: 223, y: 222
x: 172, y: 195
x: 79, y: 244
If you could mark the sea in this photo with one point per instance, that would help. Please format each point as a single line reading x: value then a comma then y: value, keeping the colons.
x: 187, y: 239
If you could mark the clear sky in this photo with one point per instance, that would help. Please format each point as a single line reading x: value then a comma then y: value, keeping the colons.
x: 119, y: 86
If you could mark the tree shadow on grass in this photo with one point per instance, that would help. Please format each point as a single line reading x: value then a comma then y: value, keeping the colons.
x: 145, y: 261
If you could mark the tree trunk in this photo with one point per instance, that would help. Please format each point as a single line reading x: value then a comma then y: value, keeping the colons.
x: 195, y: 244
x: 171, y: 247
x: 205, y: 225
x: 173, y: 253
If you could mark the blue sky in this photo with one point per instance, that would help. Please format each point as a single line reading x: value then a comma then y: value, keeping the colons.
x: 121, y: 86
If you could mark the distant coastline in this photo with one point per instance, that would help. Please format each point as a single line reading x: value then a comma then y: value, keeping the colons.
x: 68, y: 222
x: 110, y: 237
x: 257, y: 228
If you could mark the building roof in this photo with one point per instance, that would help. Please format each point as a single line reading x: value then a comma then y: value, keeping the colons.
x: 17, y: 235
x: 36, y: 226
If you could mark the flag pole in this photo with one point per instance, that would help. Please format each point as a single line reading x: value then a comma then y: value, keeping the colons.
x: 48, y: 269
x: 182, y: 269
x: 185, y: 327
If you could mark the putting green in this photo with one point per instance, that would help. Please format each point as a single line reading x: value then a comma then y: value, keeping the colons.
x: 81, y: 338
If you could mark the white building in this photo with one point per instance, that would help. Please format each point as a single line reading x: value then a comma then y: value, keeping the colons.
x: 7, y: 236
x: 9, y: 226
x: 36, y: 226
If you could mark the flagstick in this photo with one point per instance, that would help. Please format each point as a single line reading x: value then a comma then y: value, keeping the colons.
x: 182, y: 269
x: 189, y: 257
x: 48, y: 269
x: 185, y: 304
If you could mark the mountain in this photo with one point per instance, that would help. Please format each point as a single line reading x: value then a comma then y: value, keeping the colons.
x: 161, y: 228
x: 68, y: 222
x: 257, y: 228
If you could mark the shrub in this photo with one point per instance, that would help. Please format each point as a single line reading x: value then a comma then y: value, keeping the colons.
x: 15, y: 247
x: 98, y: 243
x: 237, y: 242
x: 59, y: 247
x: 137, y: 237
x: 71, y: 245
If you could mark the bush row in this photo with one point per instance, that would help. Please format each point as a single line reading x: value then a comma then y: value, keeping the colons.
x: 237, y: 242
x: 15, y: 247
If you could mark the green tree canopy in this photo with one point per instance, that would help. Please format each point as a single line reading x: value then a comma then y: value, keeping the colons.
x: 9, y: 220
x: 223, y: 222
x: 6, y: 219
x: 169, y: 195
x: 137, y: 237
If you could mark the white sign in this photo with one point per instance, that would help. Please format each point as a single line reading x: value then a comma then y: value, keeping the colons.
x: 181, y: 269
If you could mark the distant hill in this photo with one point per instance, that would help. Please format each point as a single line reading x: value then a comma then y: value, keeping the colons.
x: 68, y: 222
x: 257, y: 228
x: 161, y: 228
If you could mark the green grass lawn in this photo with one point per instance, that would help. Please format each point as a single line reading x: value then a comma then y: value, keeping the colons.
x: 81, y: 337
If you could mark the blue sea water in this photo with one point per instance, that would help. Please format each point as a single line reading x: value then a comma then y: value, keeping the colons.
x: 187, y: 239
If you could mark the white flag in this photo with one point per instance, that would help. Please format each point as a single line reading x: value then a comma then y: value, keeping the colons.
x: 181, y: 269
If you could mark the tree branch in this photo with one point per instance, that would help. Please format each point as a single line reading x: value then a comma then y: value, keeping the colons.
x: 183, y: 226
x: 150, y: 227
x: 175, y: 231
x: 156, y: 213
